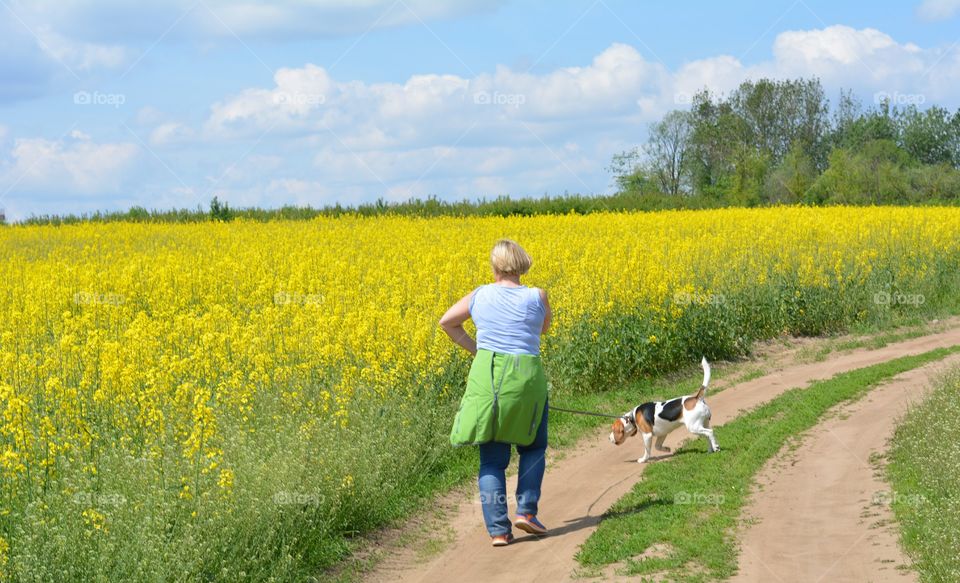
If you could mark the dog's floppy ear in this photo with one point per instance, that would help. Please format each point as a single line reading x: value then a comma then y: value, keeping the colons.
x: 618, y: 431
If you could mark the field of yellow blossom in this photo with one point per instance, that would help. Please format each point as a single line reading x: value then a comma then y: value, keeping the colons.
x: 236, y: 400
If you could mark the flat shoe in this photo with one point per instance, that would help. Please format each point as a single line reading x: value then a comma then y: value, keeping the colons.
x: 529, y: 523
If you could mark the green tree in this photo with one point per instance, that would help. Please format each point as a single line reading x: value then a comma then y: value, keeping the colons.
x: 220, y: 211
x: 791, y: 180
x: 930, y: 136
x: 667, y: 150
x: 779, y: 114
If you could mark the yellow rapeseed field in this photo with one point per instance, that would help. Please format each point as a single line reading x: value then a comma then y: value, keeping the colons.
x: 159, y: 381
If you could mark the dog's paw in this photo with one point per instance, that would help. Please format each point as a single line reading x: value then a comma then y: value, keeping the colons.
x: 642, y: 460
x: 666, y: 449
x: 715, y: 450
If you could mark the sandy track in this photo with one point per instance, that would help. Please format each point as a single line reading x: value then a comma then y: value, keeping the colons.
x: 822, y: 514
x: 580, y: 487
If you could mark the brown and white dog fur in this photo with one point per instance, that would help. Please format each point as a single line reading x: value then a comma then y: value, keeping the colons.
x: 659, y: 418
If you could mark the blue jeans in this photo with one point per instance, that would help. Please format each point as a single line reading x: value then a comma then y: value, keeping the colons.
x: 494, y: 458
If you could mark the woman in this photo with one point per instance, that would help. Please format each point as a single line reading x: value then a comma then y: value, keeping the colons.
x: 506, y: 398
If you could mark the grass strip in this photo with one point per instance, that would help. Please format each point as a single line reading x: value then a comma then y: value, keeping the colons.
x: 924, y: 471
x: 680, y: 519
x: 455, y: 466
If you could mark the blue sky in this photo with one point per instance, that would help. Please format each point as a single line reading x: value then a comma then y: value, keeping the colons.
x: 105, y: 104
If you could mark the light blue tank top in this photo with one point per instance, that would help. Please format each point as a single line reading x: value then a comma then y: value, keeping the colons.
x: 508, y: 319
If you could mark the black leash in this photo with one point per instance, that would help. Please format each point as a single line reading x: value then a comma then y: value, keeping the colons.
x: 552, y: 408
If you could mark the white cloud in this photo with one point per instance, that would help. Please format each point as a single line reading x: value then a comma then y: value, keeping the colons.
x: 938, y: 9
x: 866, y: 60
x: 171, y: 133
x: 297, y: 94
x: 49, y: 43
x: 311, y: 138
x: 76, y: 165
x: 618, y: 89
x: 511, y: 131
x: 840, y: 53
x: 440, y: 109
x: 81, y: 56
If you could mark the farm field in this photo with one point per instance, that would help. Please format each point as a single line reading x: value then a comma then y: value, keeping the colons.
x: 224, y: 401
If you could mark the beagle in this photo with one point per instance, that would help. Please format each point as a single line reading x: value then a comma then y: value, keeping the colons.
x: 659, y: 418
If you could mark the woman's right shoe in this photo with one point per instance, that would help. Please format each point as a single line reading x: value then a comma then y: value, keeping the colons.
x: 529, y: 523
x: 502, y: 540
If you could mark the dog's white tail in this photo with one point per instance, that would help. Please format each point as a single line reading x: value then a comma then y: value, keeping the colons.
x: 706, y: 377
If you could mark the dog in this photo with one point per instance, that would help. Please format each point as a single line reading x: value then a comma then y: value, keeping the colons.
x: 659, y: 418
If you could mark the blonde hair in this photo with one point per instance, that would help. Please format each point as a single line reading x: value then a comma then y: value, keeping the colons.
x: 509, y: 258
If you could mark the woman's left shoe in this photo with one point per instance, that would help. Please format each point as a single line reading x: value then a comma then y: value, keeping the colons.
x: 529, y: 523
x: 502, y: 540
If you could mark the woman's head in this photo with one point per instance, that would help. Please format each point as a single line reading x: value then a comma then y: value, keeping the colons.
x: 509, y: 258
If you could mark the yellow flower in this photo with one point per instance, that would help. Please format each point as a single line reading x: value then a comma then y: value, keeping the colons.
x: 94, y: 519
x: 174, y: 344
x: 226, y: 480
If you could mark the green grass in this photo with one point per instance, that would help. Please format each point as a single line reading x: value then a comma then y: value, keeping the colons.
x: 460, y: 465
x: 869, y: 337
x: 924, y: 472
x: 500, y: 206
x: 690, y: 506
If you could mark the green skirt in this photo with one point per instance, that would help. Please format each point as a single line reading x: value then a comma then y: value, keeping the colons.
x: 504, y: 400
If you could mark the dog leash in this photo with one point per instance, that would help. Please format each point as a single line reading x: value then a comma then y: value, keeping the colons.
x: 576, y: 412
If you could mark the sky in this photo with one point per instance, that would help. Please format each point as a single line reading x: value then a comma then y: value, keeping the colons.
x: 108, y: 104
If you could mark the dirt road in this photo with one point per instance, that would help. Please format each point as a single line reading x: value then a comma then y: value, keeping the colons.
x: 581, y: 486
x: 822, y: 513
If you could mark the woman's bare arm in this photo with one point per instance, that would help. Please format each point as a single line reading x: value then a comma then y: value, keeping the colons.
x: 549, y: 314
x: 452, y: 324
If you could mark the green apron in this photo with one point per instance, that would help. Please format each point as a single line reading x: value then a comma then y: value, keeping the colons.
x: 504, y: 400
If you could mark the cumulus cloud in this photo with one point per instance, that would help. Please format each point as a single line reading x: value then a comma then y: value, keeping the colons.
x: 35, y: 57
x: 439, y: 109
x: 297, y: 94
x: 72, y: 165
x: 48, y: 43
x: 938, y: 9
x: 509, y: 130
x: 308, y: 137
x: 617, y: 88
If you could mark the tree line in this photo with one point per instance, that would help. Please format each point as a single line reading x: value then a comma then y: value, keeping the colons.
x: 780, y: 142
x: 767, y: 142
